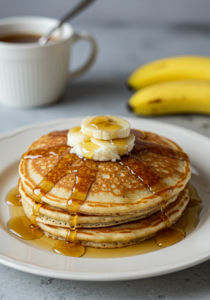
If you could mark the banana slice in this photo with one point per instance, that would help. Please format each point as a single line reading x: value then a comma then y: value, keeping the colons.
x: 75, y: 136
x: 105, y: 127
x: 100, y: 150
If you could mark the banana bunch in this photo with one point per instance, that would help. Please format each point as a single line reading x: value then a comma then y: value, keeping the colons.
x: 171, y: 85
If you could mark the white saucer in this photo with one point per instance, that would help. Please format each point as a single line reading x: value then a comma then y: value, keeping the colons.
x: 194, y: 249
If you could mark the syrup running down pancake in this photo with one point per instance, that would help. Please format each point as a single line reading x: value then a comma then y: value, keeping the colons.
x: 104, y: 204
x: 121, y: 235
x: 114, y: 189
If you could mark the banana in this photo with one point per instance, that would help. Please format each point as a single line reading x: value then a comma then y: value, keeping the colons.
x: 122, y: 146
x: 185, y: 96
x: 101, y: 150
x: 170, y: 69
x: 105, y: 127
x: 85, y: 141
x: 75, y: 136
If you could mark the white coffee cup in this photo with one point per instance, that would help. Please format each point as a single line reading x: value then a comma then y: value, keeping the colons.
x: 33, y: 75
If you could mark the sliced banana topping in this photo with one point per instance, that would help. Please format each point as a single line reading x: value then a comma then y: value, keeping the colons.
x: 90, y: 147
x: 105, y: 127
x: 122, y: 146
x: 75, y: 136
x: 104, y: 150
x: 92, y: 151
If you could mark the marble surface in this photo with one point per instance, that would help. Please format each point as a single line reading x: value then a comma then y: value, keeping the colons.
x: 103, y: 91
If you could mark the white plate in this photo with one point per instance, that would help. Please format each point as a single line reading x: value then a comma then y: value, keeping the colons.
x: 194, y: 249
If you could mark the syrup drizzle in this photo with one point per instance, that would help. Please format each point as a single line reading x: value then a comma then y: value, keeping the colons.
x: 22, y: 227
x: 104, y: 123
x: 13, y: 198
x: 85, y: 175
x: 36, y: 208
x: 121, y: 144
x: 142, y: 146
x: 138, y: 133
x: 88, y: 149
x: 59, y: 133
x: 46, y: 151
x: 70, y: 249
x: 169, y: 237
x: 175, y: 234
x: 188, y: 222
x: 148, y: 177
x: 62, y: 168
x: 194, y: 198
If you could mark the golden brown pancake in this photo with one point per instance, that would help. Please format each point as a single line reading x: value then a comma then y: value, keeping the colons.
x: 120, y: 235
x: 115, y: 190
x: 59, y: 217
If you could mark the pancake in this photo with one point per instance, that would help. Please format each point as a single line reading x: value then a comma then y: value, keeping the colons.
x: 58, y: 217
x: 120, y: 235
x: 115, y: 189
x: 103, y: 204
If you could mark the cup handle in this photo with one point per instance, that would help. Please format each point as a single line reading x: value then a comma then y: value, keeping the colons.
x: 84, y: 36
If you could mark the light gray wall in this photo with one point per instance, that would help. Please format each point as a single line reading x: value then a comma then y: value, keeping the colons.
x: 115, y: 11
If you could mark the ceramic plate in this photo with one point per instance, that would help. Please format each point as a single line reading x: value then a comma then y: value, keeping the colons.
x: 194, y: 249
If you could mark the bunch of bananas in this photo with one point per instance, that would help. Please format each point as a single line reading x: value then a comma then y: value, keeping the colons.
x: 171, y: 85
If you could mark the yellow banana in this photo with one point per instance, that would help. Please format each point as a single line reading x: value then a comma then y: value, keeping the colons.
x: 168, y: 69
x: 185, y: 96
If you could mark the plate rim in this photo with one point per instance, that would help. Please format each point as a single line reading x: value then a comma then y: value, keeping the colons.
x: 96, y: 276
x: 118, y: 276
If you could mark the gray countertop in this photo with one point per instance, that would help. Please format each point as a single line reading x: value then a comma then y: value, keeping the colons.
x: 102, y: 91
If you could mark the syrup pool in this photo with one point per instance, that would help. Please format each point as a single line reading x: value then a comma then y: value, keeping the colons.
x: 187, y: 223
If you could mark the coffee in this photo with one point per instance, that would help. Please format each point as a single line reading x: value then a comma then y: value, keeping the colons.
x: 21, y: 38
x: 32, y: 74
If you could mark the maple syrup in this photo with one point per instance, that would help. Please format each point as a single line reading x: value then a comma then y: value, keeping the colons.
x: 59, y: 133
x: 13, y: 197
x: 36, y: 208
x: 190, y: 218
x: 146, y: 174
x: 169, y: 237
x: 142, y: 170
x: 121, y: 144
x: 104, y: 123
x: 88, y: 149
x: 62, y: 168
x: 84, y: 178
x: 187, y: 223
x: 166, y: 219
x: 70, y: 249
x: 85, y: 175
x: 46, y: 151
x: 194, y: 198
x: 138, y: 133
x: 143, y: 146
x: 148, y: 177
x: 22, y: 227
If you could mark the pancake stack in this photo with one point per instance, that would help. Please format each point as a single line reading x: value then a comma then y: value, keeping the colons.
x: 104, y: 204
